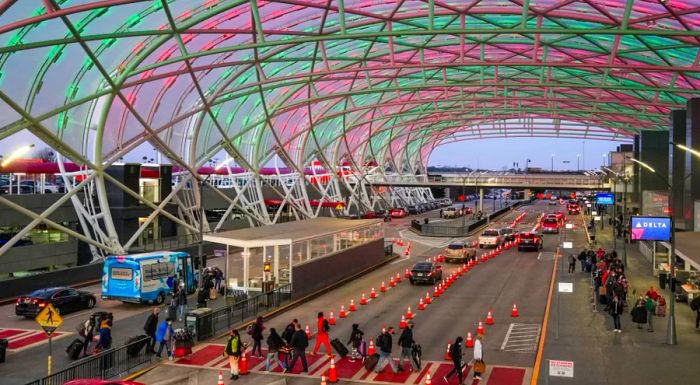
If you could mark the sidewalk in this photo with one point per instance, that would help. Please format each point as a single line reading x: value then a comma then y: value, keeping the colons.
x: 600, y: 356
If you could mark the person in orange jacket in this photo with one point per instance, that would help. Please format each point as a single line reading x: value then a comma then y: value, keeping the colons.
x: 323, y: 328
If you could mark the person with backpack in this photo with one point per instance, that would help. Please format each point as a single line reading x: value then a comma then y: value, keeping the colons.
x: 299, y: 343
x: 275, y: 343
x: 287, y: 337
x: 233, y: 349
x: 150, y: 329
x: 355, y: 341
x: 256, y: 333
x: 456, y: 355
x: 164, y: 336
x: 384, y: 344
x: 406, y: 343
x: 323, y: 328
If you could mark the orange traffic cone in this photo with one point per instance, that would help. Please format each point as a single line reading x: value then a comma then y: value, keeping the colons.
x: 363, y: 300
x: 221, y: 379
x: 373, y: 294
x: 392, y: 283
x: 243, y: 365
x: 398, y: 278
x: 409, y: 315
x: 447, y: 351
x: 514, y: 312
x: 370, y: 347
x: 383, y: 287
x: 352, y: 305
x: 427, y: 298
x: 480, y: 328
x: 332, y: 375
x: 307, y: 331
x: 427, y: 379
x: 407, y: 274
x: 331, y: 319
x: 341, y: 313
x: 323, y: 379
x: 469, y: 342
x: 402, y: 324
x: 483, y: 257
x: 436, y: 292
x: 489, y: 318
x: 421, y: 305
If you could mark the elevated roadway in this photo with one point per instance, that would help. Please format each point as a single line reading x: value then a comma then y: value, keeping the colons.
x: 495, y: 180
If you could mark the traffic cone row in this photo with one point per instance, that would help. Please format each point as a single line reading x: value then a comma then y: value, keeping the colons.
x: 352, y: 306
x: 363, y: 299
x: 331, y: 319
x: 469, y: 342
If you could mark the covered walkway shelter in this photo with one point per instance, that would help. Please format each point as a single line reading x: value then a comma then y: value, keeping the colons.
x: 290, y: 252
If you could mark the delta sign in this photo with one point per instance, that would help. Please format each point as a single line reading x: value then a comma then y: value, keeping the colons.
x: 650, y: 228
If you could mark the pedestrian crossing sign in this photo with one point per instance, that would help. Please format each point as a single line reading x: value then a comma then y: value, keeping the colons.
x: 49, y: 319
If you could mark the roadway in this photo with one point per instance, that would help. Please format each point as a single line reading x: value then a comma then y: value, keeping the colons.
x: 512, y: 277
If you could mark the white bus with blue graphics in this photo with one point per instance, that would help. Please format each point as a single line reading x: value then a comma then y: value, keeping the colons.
x: 148, y: 277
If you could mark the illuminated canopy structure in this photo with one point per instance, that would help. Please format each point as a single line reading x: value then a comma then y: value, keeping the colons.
x: 336, y: 82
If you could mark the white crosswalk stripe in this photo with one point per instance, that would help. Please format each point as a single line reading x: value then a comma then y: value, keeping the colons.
x: 521, y: 338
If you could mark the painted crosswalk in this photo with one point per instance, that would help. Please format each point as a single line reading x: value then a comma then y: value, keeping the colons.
x: 210, y: 356
x: 19, y: 339
x: 521, y: 338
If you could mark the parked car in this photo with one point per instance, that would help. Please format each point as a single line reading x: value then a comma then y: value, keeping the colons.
x: 490, y: 238
x: 508, y: 234
x: 459, y: 252
x: 64, y: 299
x: 425, y: 272
x: 398, y: 212
x: 530, y: 241
x: 413, y: 210
x: 369, y: 215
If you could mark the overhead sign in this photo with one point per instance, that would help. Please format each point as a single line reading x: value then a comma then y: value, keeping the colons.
x: 49, y: 319
x: 566, y: 287
x: 605, y: 198
x: 561, y: 368
x: 650, y: 228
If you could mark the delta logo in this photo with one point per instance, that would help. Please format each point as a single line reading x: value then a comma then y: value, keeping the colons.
x: 639, y: 229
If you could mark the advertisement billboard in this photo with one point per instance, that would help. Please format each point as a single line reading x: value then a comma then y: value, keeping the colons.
x: 650, y: 228
x: 605, y: 199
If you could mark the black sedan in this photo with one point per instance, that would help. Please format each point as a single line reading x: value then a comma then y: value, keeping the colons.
x: 64, y: 299
x: 425, y: 272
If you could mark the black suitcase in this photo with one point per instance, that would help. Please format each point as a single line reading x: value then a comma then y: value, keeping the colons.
x: 371, y: 361
x: 339, y: 347
x: 74, y: 349
x: 136, y: 344
x: 603, y: 299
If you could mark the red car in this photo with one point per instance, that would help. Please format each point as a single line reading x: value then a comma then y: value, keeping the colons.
x: 369, y: 215
x: 399, y: 212
x: 550, y: 225
x: 97, y: 381
x: 574, y: 209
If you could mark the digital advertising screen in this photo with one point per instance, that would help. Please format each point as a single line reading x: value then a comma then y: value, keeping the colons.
x: 605, y: 199
x: 650, y: 228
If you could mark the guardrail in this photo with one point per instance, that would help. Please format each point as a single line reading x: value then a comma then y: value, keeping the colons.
x: 104, y: 365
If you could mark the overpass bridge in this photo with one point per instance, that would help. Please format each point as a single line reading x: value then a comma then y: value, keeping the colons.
x: 494, y: 180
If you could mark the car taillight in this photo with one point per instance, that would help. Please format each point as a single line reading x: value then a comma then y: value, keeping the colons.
x: 430, y: 274
x: 19, y: 299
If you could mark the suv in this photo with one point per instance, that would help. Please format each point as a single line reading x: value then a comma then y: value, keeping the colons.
x: 530, y: 241
x: 425, y: 272
x: 508, y: 234
x: 450, y: 212
x: 550, y: 225
x: 490, y: 237
x: 574, y: 209
x: 459, y: 252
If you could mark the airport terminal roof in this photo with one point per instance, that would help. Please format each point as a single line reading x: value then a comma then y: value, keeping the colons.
x: 338, y: 80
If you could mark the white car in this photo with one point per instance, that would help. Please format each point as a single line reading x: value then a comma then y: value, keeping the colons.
x: 490, y: 238
x: 450, y: 212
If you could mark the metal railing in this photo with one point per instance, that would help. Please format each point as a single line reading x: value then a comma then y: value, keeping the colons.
x: 104, y: 365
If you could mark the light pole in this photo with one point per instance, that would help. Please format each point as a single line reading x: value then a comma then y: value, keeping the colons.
x: 605, y: 159
x: 578, y: 162
x: 671, y: 338
x: 202, y: 218
x: 552, y: 162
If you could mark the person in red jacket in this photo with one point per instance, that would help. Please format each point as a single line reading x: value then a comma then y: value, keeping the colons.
x: 323, y: 327
x: 652, y: 293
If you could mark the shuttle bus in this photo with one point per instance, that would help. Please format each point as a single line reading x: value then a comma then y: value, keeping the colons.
x: 147, y: 277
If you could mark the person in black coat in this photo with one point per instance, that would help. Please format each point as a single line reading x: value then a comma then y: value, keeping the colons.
x: 616, y: 309
x: 150, y: 328
x: 406, y: 343
x: 456, y: 355
x: 299, y: 343
x: 257, y: 336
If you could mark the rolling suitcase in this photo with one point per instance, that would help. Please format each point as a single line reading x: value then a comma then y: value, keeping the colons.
x: 371, y: 361
x: 136, y: 344
x: 339, y: 347
x: 74, y: 349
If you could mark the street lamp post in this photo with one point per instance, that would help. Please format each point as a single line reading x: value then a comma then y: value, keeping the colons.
x: 202, y: 218
x: 578, y: 162
x: 552, y: 162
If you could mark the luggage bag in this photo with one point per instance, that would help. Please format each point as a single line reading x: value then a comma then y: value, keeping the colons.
x: 339, y: 347
x: 371, y: 361
x: 73, y: 350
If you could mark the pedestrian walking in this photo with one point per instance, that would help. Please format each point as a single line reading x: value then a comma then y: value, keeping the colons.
x: 150, y: 329
x: 299, y: 344
x: 650, y: 306
x: 355, y: 341
x: 233, y: 350
x: 384, y: 343
x: 181, y: 303
x: 105, y: 332
x: 406, y: 343
x: 256, y: 333
x: 652, y: 293
x: 275, y: 343
x: 456, y: 355
x: 322, y: 329
x: 616, y: 309
x: 479, y: 365
x: 87, y: 332
x: 164, y: 336
x: 572, y: 263
x: 287, y: 337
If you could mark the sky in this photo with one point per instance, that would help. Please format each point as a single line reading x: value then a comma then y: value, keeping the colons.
x: 494, y: 154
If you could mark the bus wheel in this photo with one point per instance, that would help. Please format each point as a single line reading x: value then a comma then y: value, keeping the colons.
x: 160, y: 299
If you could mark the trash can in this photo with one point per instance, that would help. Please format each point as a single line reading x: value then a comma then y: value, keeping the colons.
x: 662, y: 280
x: 3, y: 349
x: 200, y: 322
